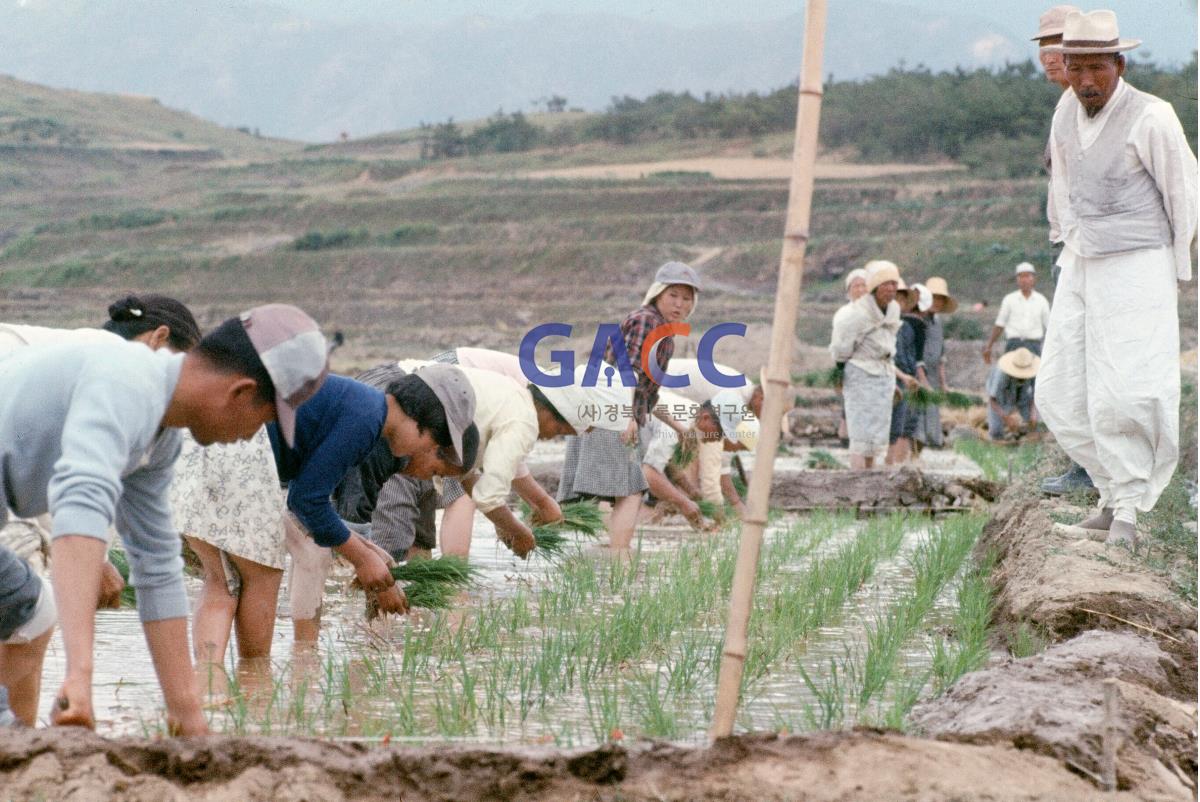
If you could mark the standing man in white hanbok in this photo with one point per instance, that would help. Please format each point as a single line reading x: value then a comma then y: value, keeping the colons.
x: 1123, y: 203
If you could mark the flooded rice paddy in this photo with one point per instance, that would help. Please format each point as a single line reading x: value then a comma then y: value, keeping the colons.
x: 854, y: 620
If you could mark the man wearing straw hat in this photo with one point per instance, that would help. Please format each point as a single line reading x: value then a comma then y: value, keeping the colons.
x: 1011, y: 410
x: 1124, y: 206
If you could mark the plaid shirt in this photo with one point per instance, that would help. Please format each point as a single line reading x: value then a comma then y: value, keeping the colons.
x: 636, y: 328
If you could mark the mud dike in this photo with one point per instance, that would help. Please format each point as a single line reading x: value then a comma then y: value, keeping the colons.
x: 1034, y: 728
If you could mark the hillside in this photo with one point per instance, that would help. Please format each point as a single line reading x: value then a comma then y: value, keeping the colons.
x: 410, y: 257
x: 38, y: 116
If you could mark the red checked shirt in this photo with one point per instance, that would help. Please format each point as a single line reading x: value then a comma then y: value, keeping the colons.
x: 636, y: 328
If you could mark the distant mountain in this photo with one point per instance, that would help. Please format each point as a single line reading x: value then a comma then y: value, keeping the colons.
x: 245, y: 63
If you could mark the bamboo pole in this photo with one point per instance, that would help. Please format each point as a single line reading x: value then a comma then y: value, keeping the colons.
x: 787, y: 299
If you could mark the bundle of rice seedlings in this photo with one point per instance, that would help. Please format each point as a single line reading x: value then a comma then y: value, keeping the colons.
x: 447, y: 570
x: 121, y: 563
x: 925, y: 397
x: 682, y: 457
x: 430, y: 595
x: 710, y: 509
x: 578, y: 516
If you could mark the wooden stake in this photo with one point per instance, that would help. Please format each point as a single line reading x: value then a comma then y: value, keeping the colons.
x: 783, y: 330
x: 1109, y: 736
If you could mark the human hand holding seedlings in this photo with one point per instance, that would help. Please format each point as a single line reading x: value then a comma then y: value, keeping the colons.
x: 111, y: 585
x: 371, y: 570
x: 549, y: 512
x: 511, y: 532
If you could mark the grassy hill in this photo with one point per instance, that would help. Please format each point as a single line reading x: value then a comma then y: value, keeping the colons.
x: 38, y: 116
x: 409, y: 258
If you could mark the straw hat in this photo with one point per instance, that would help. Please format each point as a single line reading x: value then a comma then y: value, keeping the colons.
x: 901, y: 289
x: 938, y: 286
x: 1051, y: 22
x: 1020, y: 364
x: 1094, y: 32
x: 879, y: 271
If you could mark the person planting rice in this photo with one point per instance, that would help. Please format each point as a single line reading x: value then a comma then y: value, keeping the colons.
x: 89, y: 433
x: 863, y: 344
x: 929, y: 421
x: 155, y: 321
x: 606, y: 464
x: 726, y: 422
x: 422, y: 419
x: 510, y: 416
x: 1010, y: 389
x: 910, y: 368
x: 712, y: 470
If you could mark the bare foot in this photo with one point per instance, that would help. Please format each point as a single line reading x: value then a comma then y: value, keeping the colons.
x: 189, y: 725
x: 73, y: 705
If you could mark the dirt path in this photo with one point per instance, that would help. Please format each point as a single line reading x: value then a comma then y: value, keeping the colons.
x: 739, y: 168
x: 45, y: 765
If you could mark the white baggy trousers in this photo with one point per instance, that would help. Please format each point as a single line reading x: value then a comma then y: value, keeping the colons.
x: 1108, y: 388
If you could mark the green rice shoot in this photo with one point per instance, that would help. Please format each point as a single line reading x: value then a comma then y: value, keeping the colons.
x: 578, y: 516
x: 924, y: 397
x: 448, y: 569
x: 121, y: 563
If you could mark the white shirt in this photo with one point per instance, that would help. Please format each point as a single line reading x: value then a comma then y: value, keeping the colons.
x: 1024, y: 318
x: 1158, y: 142
x: 508, y: 431
x: 699, y: 389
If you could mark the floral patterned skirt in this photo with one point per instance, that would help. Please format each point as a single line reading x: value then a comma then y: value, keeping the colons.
x: 228, y: 495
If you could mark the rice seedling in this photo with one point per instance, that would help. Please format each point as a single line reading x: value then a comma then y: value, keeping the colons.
x: 430, y: 595
x: 578, y: 516
x: 926, y: 397
x: 448, y: 570
x: 1024, y: 640
x: 119, y: 561
x: 712, y: 510
x: 820, y: 460
x: 935, y: 562
x: 999, y: 463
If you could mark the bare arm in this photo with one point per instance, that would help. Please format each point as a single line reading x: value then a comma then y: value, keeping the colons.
x: 663, y: 490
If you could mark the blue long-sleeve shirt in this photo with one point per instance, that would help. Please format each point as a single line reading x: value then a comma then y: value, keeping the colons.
x: 335, y: 431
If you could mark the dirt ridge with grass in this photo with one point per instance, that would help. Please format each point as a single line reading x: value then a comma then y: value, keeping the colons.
x: 1103, y: 613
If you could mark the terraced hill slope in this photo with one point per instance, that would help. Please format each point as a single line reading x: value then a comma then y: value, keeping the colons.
x: 409, y: 258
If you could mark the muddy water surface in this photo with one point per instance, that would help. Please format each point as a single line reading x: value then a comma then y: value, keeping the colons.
x: 128, y: 700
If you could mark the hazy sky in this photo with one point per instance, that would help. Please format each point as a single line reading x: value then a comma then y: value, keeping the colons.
x: 1168, y: 27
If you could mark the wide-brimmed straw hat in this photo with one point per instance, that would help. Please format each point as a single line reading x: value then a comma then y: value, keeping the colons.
x: 1094, y: 32
x: 1052, y: 21
x: 938, y: 286
x: 879, y: 271
x: 1020, y: 364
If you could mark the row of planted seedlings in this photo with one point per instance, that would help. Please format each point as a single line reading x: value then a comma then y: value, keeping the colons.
x: 593, y: 649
